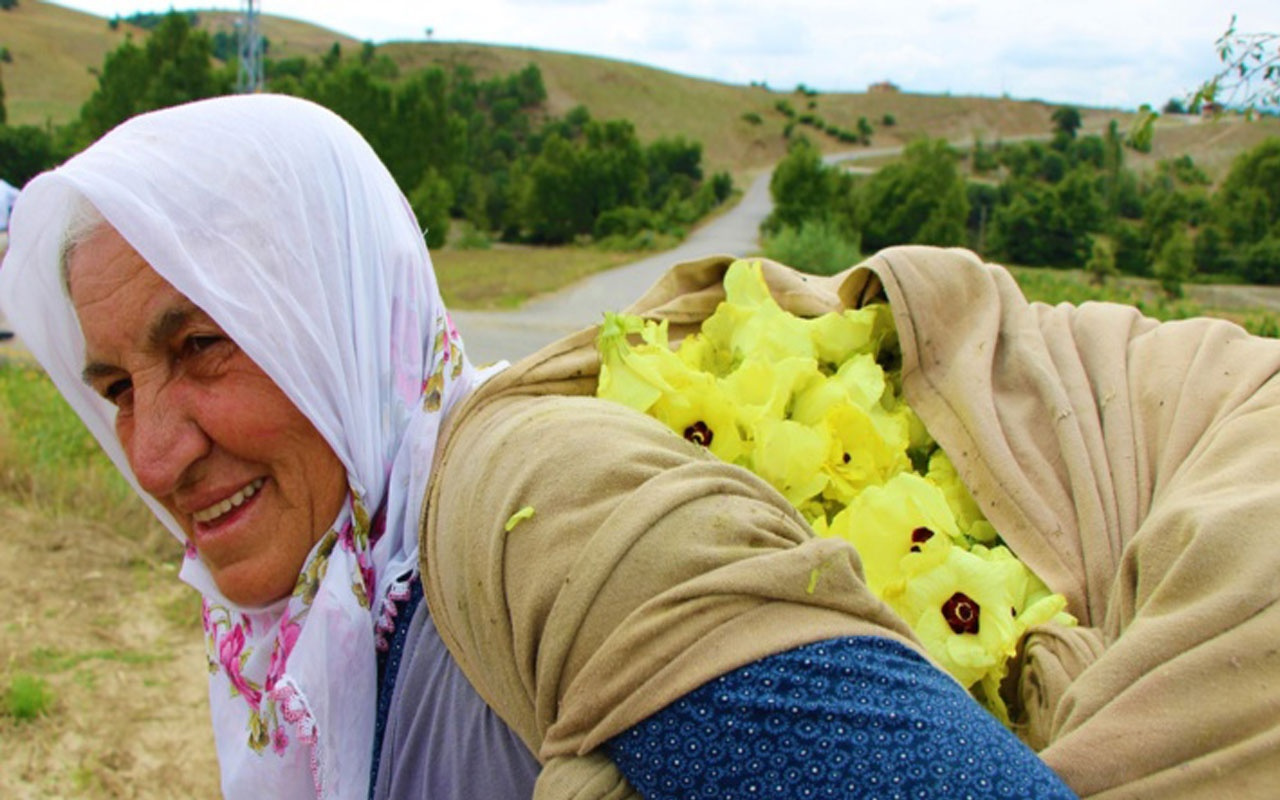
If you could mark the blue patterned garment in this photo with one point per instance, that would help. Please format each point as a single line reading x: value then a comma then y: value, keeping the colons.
x: 857, y: 717
x: 389, y: 668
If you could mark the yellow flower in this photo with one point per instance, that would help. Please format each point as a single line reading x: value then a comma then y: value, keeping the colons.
x: 859, y: 381
x: 961, y: 605
x: 1034, y: 603
x: 698, y: 353
x: 700, y: 411
x: 763, y: 389
x: 890, y: 522
x: 750, y: 323
x: 789, y: 455
x: 970, y: 518
x: 859, y: 455
x: 839, y: 336
x: 637, y: 375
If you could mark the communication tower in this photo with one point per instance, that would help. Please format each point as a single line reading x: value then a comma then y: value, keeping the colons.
x: 249, y: 76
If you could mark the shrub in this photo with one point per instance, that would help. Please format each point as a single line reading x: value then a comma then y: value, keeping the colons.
x: 1261, y: 261
x: 1263, y: 325
x: 473, y: 238
x: 816, y: 246
x: 431, y: 202
x: 625, y: 221
x: 1101, y: 265
x: 27, y: 698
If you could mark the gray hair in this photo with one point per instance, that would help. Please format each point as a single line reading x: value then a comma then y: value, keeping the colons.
x: 83, y: 222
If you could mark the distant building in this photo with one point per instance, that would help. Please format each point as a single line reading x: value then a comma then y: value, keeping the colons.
x: 884, y: 87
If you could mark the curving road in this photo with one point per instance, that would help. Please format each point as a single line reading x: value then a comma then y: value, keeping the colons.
x: 494, y: 335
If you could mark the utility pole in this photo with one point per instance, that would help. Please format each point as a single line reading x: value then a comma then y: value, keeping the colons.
x: 249, y: 75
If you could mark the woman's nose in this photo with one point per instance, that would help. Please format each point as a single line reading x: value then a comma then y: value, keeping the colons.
x: 163, y: 440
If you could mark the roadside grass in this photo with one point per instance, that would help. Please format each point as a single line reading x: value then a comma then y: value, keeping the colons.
x: 50, y: 463
x: 504, y: 276
x: 1053, y: 286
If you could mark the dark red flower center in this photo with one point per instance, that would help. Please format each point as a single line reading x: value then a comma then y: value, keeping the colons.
x: 919, y: 536
x: 699, y: 433
x: 961, y: 613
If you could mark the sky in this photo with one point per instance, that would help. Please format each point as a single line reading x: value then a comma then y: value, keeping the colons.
x: 1104, y: 53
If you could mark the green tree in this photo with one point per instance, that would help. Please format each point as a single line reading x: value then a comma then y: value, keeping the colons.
x: 1101, y: 265
x: 553, y: 209
x: 351, y: 91
x: 4, y: 115
x: 1261, y: 260
x: 920, y: 199
x: 174, y: 66
x: 1175, y: 264
x: 26, y: 151
x: 1066, y: 121
x: 864, y: 130
x: 1082, y: 204
x: 431, y: 201
x: 673, y: 166
x: 420, y: 134
x: 805, y: 189
x: 1032, y: 229
x: 1247, y: 205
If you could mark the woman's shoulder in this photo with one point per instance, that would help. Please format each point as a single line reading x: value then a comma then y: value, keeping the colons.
x: 549, y: 431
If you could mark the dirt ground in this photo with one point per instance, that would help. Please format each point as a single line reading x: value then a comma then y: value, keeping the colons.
x: 106, y: 624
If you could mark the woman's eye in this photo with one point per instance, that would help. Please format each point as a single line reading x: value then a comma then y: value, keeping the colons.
x: 116, y: 390
x: 198, y: 344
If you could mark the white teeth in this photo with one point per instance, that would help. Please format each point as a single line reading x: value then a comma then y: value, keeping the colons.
x: 218, y: 509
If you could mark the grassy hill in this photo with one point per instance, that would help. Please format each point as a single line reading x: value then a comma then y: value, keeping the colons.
x: 664, y: 103
x: 56, y: 52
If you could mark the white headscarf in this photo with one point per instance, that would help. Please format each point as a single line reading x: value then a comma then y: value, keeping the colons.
x: 278, y: 220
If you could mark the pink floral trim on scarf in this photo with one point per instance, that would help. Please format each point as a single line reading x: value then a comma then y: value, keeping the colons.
x: 293, y: 707
x: 273, y: 699
x: 397, y: 592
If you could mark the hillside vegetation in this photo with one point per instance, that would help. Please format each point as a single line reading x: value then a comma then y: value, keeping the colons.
x: 56, y: 53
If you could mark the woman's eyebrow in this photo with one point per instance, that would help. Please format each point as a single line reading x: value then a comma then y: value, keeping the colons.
x: 161, y: 330
x: 170, y: 321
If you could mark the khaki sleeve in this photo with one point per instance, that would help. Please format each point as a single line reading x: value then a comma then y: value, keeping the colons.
x: 646, y: 569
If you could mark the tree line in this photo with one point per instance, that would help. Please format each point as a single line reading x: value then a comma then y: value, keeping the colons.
x: 1068, y: 202
x: 461, y: 148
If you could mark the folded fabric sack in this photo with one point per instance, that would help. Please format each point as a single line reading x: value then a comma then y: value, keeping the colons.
x: 1127, y: 462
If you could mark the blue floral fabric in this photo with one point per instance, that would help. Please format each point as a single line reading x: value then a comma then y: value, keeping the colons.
x: 857, y: 717
x: 389, y: 669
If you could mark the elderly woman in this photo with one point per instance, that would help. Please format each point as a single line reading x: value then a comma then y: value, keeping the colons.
x: 422, y: 579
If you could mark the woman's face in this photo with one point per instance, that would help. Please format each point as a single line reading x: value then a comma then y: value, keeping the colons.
x: 207, y: 433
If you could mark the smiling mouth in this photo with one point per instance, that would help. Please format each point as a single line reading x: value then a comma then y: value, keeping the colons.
x: 234, y: 501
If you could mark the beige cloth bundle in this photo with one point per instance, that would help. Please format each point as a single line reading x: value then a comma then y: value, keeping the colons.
x: 1129, y: 463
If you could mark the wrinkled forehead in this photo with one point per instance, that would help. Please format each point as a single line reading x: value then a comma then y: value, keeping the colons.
x: 108, y: 281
